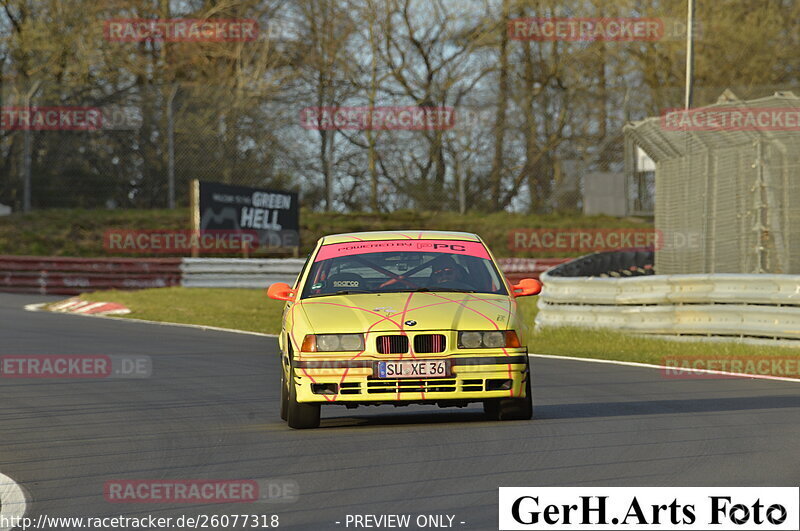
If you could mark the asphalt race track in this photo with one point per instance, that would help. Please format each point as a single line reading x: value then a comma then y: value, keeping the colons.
x: 210, y: 410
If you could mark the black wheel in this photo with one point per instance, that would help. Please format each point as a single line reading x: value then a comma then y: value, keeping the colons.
x: 300, y: 415
x: 284, y: 396
x: 491, y: 408
x: 511, y: 408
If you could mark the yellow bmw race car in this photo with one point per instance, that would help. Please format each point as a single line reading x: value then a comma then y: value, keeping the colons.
x: 403, y: 318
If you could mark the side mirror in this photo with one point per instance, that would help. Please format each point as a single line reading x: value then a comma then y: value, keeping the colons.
x: 281, y: 291
x: 526, y: 286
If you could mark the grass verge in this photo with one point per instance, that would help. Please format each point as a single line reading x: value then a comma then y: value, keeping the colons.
x: 240, y: 309
x: 618, y: 346
x: 79, y: 232
x: 251, y: 310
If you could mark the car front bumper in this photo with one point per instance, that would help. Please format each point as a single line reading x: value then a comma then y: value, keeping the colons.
x: 492, y: 374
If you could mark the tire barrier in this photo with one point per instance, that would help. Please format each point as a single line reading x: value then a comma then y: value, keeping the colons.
x: 632, y: 262
x: 515, y: 269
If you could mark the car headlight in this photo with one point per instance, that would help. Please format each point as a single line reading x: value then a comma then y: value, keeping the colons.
x: 494, y: 339
x: 470, y: 339
x: 328, y: 343
x: 488, y: 339
x: 350, y: 342
x: 333, y: 343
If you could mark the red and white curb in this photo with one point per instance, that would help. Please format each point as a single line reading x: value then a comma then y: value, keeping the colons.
x: 76, y: 305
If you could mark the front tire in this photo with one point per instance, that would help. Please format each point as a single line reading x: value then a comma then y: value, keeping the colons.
x: 299, y: 415
x: 511, y: 408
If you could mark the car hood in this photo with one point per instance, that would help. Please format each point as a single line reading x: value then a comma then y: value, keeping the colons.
x: 389, y: 311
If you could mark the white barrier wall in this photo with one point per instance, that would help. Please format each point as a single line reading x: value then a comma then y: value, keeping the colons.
x: 766, y: 306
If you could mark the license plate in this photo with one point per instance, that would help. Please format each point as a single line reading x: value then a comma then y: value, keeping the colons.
x: 413, y: 369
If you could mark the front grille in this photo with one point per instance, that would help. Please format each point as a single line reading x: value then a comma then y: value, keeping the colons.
x: 427, y: 386
x: 471, y: 385
x: 350, y: 388
x: 429, y: 343
x: 392, y: 344
x: 411, y: 386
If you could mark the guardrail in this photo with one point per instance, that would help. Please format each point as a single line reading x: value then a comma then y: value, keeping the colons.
x: 70, y: 276
x: 238, y: 272
x: 674, y: 289
x: 726, y: 305
x: 739, y: 321
x: 260, y: 272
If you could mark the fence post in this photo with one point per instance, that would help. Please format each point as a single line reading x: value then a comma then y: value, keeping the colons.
x: 171, y: 147
x: 27, y: 142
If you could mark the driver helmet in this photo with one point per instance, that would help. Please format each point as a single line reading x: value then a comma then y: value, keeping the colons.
x: 446, y: 270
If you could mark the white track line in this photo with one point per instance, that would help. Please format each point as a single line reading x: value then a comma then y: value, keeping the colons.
x: 38, y: 308
x: 12, y: 501
x: 651, y: 366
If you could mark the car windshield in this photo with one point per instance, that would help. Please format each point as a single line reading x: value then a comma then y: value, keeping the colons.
x: 405, y: 265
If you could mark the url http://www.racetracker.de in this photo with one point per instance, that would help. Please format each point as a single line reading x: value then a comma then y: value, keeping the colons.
x: 201, y: 521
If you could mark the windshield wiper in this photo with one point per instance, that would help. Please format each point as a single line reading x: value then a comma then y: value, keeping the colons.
x: 450, y: 290
x: 349, y: 291
x: 340, y: 292
x: 453, y: 290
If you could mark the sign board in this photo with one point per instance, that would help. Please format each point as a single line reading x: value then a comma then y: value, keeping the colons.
x: 274, y: 215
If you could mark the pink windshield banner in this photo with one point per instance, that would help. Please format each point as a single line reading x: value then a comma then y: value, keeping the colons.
x: 409, y: 246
